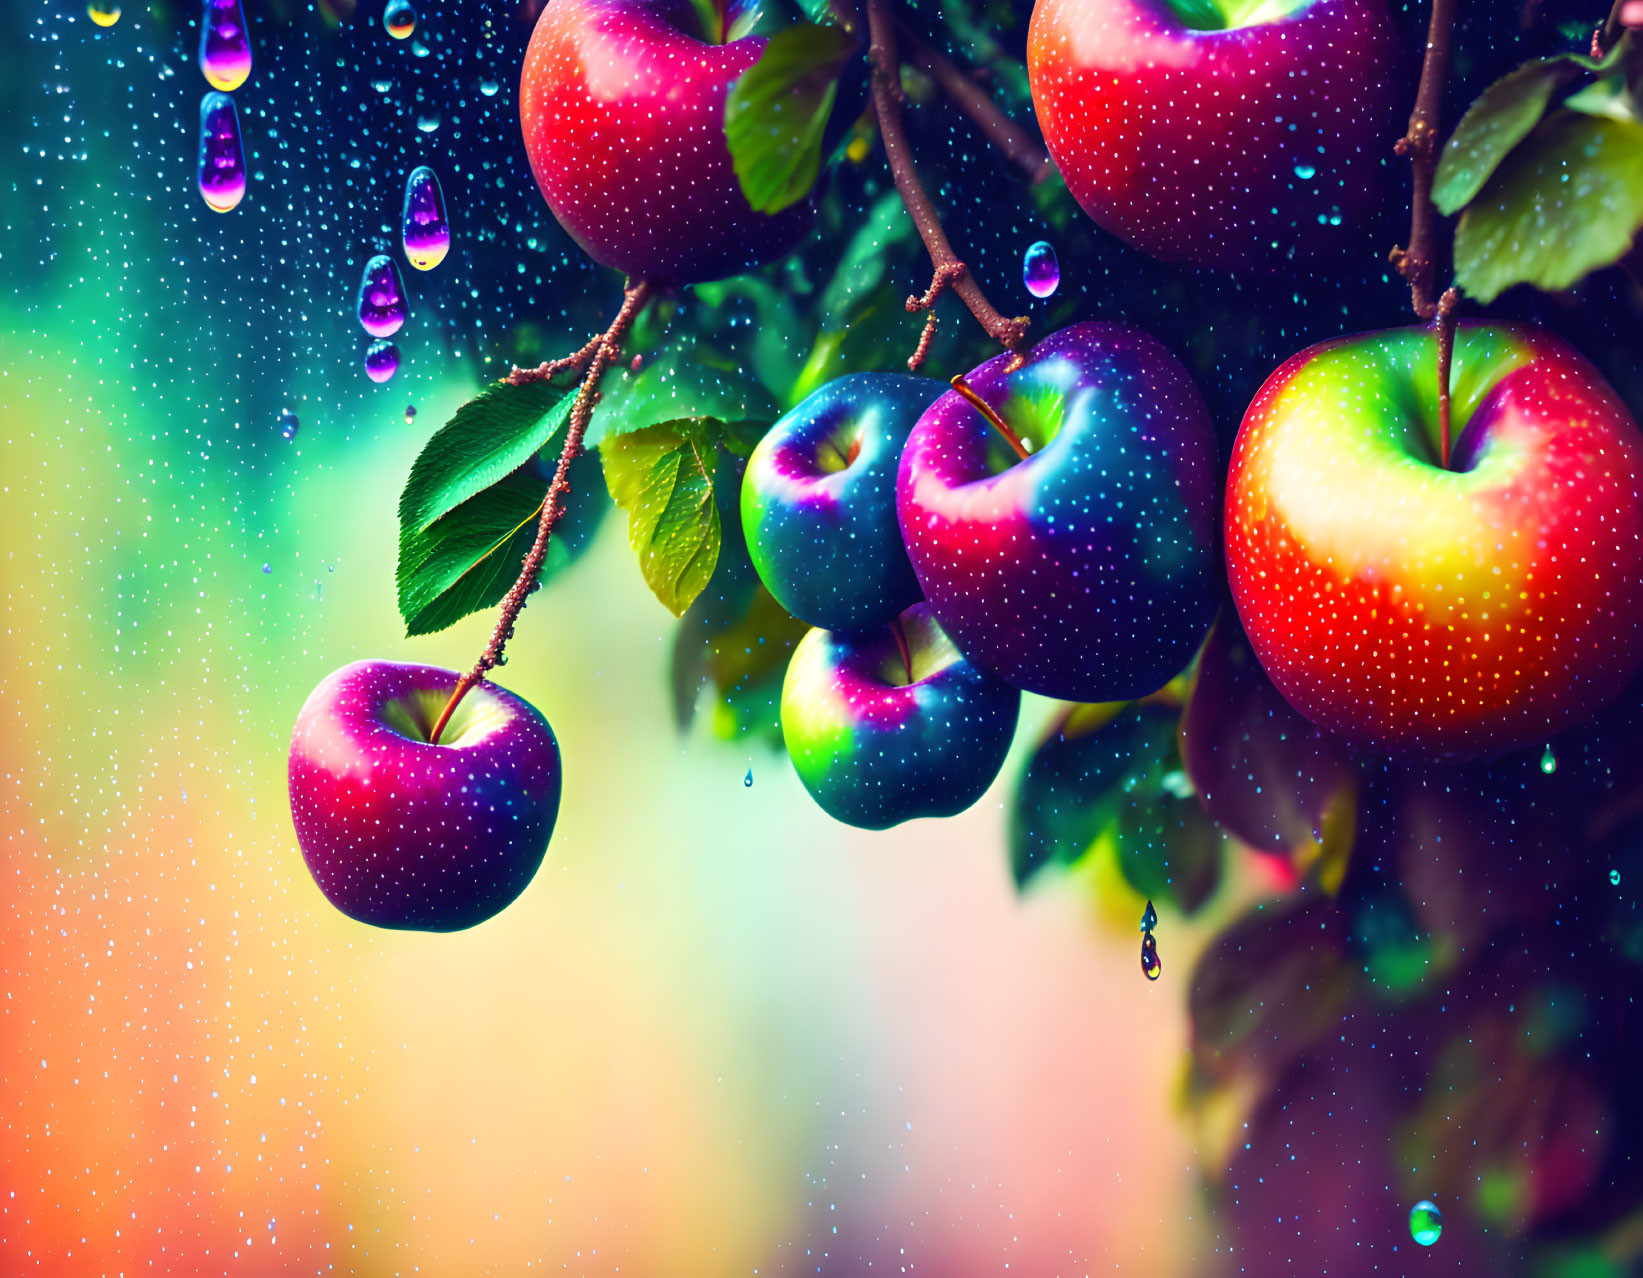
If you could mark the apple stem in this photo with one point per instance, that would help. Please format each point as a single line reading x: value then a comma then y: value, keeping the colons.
x: 1445, y: 321
x: 1018, y: 145
x: 598, y: 355
x: 1418, y: 264
x: 949, y: 270
x: 993, y: 419
x: 901, y: 646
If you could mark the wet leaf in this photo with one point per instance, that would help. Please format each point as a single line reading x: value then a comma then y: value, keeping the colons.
x: 662, y: 477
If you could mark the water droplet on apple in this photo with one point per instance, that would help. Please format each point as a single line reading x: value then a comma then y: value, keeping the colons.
x: 399, y: 19
x: 288, y: 424
x: 381, y: 361
x: 103, y: 13
x: 1040, y: 272
x: 222, y: 159
x: 425, y: 231
x: 1305, y: 172
x: 382, y: 306
x: 225, y: 45
x: 748, y: 779
x: 1150, y: 963
x: 1149, y: 918
x: 1548, y: 762
x: 1425, y: 1222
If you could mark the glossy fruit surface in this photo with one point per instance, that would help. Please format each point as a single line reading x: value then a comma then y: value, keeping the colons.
x: 878, y: 740
x: 1087, y: 571
x: 1228, y: 133
x: 819, y: 502
x: 1414, y: 608
x: 622, y: 104
x: 403, y: 834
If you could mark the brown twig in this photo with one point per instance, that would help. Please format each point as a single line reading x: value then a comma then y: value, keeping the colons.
x: 598, y: 355
x: 1017, y: 143
x: 1446, y: 351
x: 950, y: 270
x: 1419, y: 262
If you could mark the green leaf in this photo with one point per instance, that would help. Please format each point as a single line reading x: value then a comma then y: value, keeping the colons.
x: 1569, y: 201
x: 862, y: 264
x: 492, y: 435
x: 662, y: 476
x: 678, y: 384
x: 465, y: 561
x: 1504, y: 114
x: 1608, y: 98
x: 777, y: 113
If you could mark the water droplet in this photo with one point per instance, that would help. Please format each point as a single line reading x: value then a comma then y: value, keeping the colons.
x: 426, y: 233
x: 225, y: 45
x: 1425, y: 1222
x: 399, y: 19
x: 266, y: 568
x: 381, y: 297
x: 288, y: 424
x: 222, y: 159
x: 1149, y: 918
x: 103, y: 13
x: 1150, y: 962
x: 1614, y: 877
x: 1305, y: 172
x: 428, y: 123
x: 489, y: 87
x: 1548, y: 762
x: 748, y: 779
x: 1040, y: 272
x: 382, y: 84
x: 381, y: 361
x: 410, y: 413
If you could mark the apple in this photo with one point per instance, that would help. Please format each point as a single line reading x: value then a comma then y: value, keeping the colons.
x: 891, y: 724
x: 622, y: 104
x: 1440, y: 611
x: 819, y: 502
x: 1225, y: 133
x: 402, y: 833
x: 1087, y: 569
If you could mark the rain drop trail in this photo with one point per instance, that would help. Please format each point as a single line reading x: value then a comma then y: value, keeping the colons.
x: 103, y: 13
x: 425, y: 230
x: 1548, y: 762
x: 381, y: 361
x: 1040, y: 271
x: 225, y: 45
x: 381, y: 297
x: 1150, y: 963
x: 222, y: 159
x: 288, y: 424
x: 399, y: 19
x: 1425, y: 1222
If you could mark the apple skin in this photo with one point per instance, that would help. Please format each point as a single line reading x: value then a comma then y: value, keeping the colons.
x: 1230, y: 148
x: 819, y: 502
x: 1442, y: 613
x: 623, y: 109
x: 875, y: 750
x: 399, y: 833
x: 1089, y: 570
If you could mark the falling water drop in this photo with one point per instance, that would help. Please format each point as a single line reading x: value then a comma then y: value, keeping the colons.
x: 103, y: 12
x: 1614, y: 878
x: 288, y: 424
x: 382, y: 84
x: 225, y: 45
x: 426, y: 233
x: 1150, y: 963
x: 1040, y: 272
x: 489, y: 87
x: 429, y: 122
x: 381, y: 361
x: 1149, y: 918
x: 410, y: 413
x: 399, y: 19
x: 1305, y: 172
x: 267, y: 568
x: 748, y: 779
x: 1425, y: 1222
x: 1548, y: 762
x: 222, y: 159
x: 381, y: 297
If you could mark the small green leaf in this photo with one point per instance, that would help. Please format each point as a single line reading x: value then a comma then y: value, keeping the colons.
x: 777, y: 112
x: 1504, y: 114
x: 862, y: 263
x: 662, y: 476
x: 492, y: 435
x: 1569, y: 201
x: 678, y: 384
x: 1609, y: 98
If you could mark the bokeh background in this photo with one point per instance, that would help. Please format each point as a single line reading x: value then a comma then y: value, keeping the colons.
x: 719, y: 1034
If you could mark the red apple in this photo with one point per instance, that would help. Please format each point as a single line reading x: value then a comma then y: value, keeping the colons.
x: 1224, y: 133
x: 406, y: 834
x: 623, y: 105
x: 1445, y: 611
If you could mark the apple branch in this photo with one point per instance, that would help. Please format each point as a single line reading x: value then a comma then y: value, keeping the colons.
x: 1446, y: 352
x: 1017, y: 143
x: 596, y: 357
x: 1419, y: 262
x: 949, y: 270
